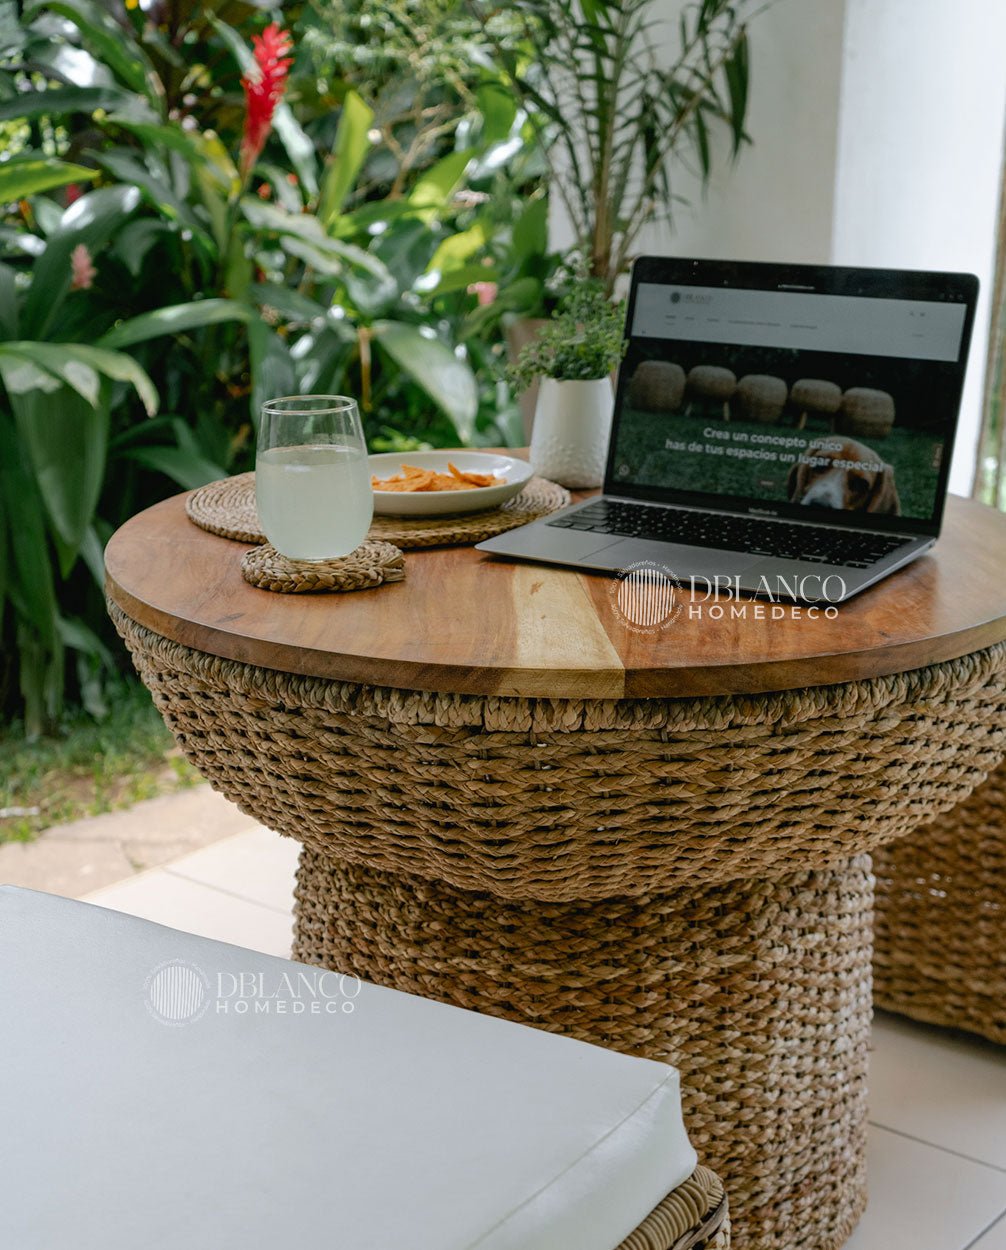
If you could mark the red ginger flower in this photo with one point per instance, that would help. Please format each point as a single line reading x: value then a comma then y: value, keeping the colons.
x: 263, y: 90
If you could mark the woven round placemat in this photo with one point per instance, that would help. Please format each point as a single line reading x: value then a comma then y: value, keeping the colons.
x: 227, y: 508
x: 371, y: 564
x: 538, y: 498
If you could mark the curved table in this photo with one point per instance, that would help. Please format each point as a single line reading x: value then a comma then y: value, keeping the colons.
x: 510, y: 799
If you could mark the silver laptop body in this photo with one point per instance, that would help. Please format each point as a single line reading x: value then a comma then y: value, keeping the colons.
x: 778, y: 430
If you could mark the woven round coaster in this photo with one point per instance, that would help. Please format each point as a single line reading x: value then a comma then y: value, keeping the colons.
x: 227, y: 508
x: 371, y: 564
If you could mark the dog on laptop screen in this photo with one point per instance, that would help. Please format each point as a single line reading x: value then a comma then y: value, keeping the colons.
x: 839, y: 473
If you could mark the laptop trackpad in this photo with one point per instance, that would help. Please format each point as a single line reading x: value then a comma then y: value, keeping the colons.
x: 682, y: 561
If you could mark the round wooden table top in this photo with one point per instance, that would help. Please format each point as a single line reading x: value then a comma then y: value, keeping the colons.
x: 463, y: 621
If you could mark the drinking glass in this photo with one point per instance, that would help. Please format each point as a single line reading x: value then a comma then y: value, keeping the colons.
x: 312, y: 481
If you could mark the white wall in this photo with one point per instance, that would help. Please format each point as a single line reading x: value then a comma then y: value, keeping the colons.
x: 920, y: 154
x: 776, y: 202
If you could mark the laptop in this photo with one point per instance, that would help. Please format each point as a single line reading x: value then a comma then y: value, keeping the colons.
x: 778, y: 430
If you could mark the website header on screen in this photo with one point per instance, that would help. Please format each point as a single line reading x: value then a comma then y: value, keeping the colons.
x: 848, y: 324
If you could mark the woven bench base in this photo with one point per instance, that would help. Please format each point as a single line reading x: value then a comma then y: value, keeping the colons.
x: 758, y: 991
x: 692, y: 1217
x: 940, y: 951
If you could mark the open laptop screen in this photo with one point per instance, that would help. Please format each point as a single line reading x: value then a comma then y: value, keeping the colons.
x: 792, y: 390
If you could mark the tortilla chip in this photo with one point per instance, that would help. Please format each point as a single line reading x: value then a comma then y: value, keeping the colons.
x: 412, y: 478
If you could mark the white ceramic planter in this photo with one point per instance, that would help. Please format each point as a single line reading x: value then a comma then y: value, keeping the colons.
x: 569, y: 440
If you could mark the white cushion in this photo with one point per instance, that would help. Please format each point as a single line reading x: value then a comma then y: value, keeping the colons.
x: 141, y: 1108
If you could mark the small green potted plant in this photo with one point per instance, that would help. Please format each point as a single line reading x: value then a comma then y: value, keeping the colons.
x: 574, y: 355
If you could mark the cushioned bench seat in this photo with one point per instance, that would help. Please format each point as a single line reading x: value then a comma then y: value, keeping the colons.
x: 164, y: 1090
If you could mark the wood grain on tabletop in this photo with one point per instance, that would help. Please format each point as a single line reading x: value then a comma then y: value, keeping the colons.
x: 464, y: 621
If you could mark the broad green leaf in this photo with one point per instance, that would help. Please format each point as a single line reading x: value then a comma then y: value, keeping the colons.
x: 91, y: 220
x: 298, y: 146
x: 447, y: 380
x: 29, y: 573
x: 53, y: 359
x: 24, y: 176
x: 286, y: 194
x: 371, y: 296
x: 435, y: 187
x: 20, y: 242
x: 4, y: 559
x: 368, y: 216
x: 129, y: 169
x: 48, y: 214
x: 455, y: 250
x: 55, y: 101
x: 461, y: 278
x: 111, y: 42
x: 498, y: 108
x: 92, y: 552
x: 66, y: 439
x: 270, y: 217
x: 216, y: 205
x: 78, y: 364
x: 287, y: 301
x: 350, y: 148
x: 176, y: 319
x: 530, y: 232
x: 8, y: 303
x: 119, y: 367
x: 322, y: 364
x: 321, y: 260
x: 78, y: 637
x: 136, y: 239
x: 21, y: 376
x: 273, y: 370
x: 188, y: 470
x: 237, y: 268
x: 202, y: 151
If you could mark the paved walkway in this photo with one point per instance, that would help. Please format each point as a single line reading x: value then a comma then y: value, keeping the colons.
x: 83, y: 856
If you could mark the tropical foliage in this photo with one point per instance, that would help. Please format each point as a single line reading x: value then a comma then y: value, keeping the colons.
x: 168, y: 259
x: 623, y: 102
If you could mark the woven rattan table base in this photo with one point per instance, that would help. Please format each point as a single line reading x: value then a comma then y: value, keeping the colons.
x: 692, y: 1217
x: 941, y: 918
x: 758, y: 991
x: 228, y: 508
x: 553, y: 799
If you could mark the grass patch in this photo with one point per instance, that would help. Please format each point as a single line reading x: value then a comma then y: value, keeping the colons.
x: 88, y: 767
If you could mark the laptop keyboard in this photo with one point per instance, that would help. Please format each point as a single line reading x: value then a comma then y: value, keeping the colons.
x: 851, y: 548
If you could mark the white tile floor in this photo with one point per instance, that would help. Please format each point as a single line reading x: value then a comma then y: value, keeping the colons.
x: 938, y: 1102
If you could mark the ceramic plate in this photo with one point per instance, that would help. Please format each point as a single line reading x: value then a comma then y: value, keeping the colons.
x: 515, y: 474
